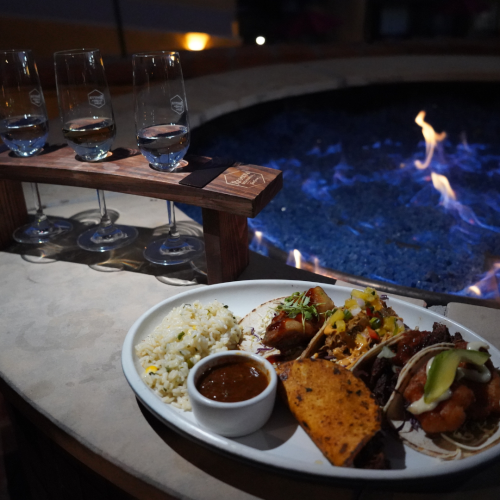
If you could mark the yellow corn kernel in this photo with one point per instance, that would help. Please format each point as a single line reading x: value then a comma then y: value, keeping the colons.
x: 151, y: 369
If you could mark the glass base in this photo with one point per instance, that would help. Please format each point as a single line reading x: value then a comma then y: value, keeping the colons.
x: 99, y: 239
x: 165, y: 167
x: 106, y: 269
x: 173, y: 251
x: 93, y: 217
x: 41, y: 232
x: 92, y: 154
x: 172, y: 281
x: 40, y: 258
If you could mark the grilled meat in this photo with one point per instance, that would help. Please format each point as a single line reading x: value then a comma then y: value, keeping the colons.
x: 299, y: 319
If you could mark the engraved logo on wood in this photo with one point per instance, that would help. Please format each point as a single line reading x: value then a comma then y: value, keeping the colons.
x: 244, y: 179
x: 96, y: 99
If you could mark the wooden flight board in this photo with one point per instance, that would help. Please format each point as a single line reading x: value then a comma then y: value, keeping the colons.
x: 239, y: 192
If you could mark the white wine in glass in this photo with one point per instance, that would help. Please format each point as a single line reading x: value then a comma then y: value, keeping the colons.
x: 24, y: 128
x: 88, y: 125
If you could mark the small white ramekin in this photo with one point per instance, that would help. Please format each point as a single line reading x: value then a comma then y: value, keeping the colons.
x: 232, y: 419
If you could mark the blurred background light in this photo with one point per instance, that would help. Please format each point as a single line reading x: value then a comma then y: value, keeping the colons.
x: 196, y: 41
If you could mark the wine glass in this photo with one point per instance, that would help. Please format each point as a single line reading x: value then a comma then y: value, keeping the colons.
x: 89, y: 127
x: 162, y: 126
x: 24, y: 128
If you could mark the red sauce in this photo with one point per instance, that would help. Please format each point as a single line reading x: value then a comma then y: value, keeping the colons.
x: 232, y: 382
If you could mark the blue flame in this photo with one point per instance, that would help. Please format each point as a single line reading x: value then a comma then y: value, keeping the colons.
x: 363, y: 208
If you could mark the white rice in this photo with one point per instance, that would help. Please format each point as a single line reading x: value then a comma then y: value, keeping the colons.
x: 187, y: 334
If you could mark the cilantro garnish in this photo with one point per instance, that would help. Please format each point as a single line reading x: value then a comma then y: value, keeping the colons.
x: 299, y: 303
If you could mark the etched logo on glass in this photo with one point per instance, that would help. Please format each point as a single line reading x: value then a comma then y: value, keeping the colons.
x: 35, y: 97
x: 96, y: 99
x: 177, y: 104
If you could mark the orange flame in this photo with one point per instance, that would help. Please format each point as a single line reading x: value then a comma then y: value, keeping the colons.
x: 317, y: 268
x: 298, y: 259
x: 488, y: 284
x: 431, y: 140
x: 294, y: 259
x: 441, y: 183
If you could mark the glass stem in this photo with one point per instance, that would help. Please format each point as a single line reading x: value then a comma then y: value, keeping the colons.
x: 42, y: 225
x: 173, y: 233
x: 105, y: 220
x: 106, y: 231
x: 40, y: 216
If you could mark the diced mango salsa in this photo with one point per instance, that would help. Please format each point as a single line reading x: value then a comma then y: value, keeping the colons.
x: 338, y: 314
x: 351, y: 303
x: 367, y: 296
x: 340, y: 325
x: 335, y: 322
x: 361, y: 341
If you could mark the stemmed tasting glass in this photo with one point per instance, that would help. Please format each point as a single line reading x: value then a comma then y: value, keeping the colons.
x: 162, y: 126
x: 24, y: 128
x: 89, y: 127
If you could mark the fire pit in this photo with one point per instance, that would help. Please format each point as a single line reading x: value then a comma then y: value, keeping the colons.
x: 365, y: 196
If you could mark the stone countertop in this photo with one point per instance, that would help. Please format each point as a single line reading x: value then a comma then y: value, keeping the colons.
x: 62, y: 328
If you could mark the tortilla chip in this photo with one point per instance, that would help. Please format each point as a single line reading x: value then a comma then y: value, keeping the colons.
x: 334, y: 407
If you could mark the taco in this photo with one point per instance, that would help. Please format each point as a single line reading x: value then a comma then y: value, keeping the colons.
x: 381, y: 368
x: 447, y: 401
x: 281, y: 328
x: 363, y: 323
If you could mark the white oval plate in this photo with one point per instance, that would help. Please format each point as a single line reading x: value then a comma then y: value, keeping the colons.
x: 281, y: 442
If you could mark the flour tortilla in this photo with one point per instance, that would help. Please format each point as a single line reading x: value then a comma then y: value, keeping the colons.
x: 417, y: 438
x: 254, y: 326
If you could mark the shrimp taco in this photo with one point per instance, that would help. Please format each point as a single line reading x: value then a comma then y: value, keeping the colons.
x: 381, y: 367
x: 447, y: 401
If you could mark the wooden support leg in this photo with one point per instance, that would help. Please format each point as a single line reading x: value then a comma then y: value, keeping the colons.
x: 13, y: 212
x: 226, y: 245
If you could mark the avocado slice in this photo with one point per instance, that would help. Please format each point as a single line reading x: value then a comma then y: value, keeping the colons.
x: 444, y: 367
